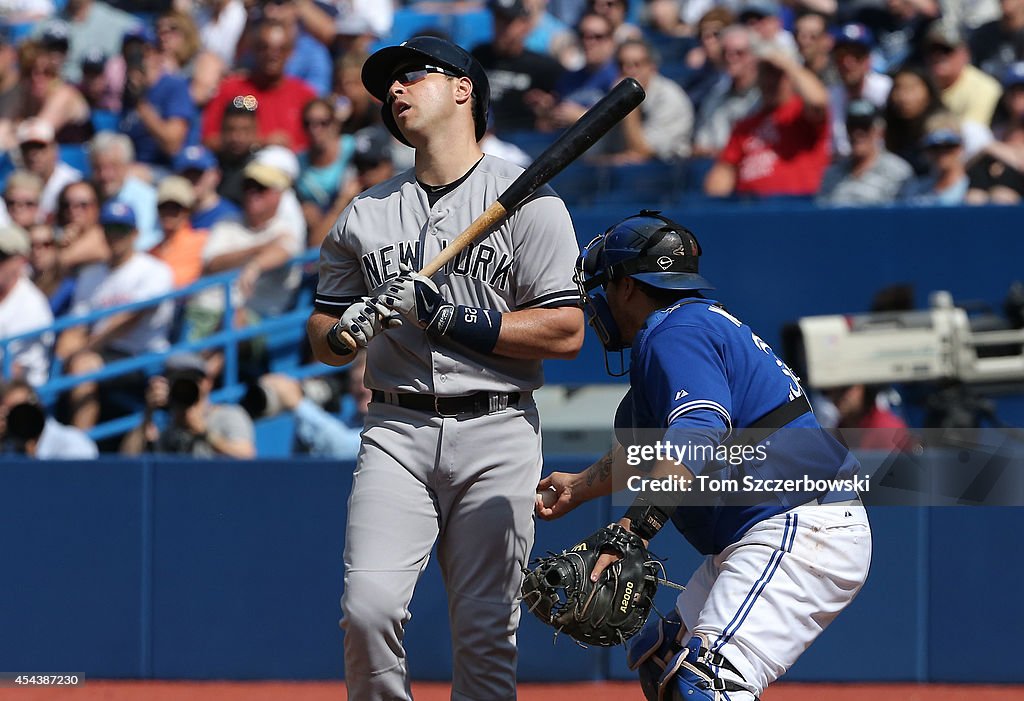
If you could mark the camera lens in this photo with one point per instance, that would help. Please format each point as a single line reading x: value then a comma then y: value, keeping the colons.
x: 183, y: 392
x: 25, y: 422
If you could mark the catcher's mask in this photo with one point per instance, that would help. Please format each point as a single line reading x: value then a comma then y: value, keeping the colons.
x: 647, y: 247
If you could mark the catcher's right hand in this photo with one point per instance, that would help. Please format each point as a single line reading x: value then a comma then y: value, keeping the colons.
x: 560, y: 591
x: 555, y: 496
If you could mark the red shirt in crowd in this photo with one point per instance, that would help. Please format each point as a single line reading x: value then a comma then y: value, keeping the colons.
x: 880, y: 429
x: 278, y: 109
x: 779, y: 152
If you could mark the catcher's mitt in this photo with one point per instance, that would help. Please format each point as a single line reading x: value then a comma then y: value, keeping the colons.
x: 559, y: 592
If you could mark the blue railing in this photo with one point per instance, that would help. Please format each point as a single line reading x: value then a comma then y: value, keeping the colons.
x: 227, y: 339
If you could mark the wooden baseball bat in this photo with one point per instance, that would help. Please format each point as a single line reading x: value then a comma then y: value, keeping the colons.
x: 570, y: 145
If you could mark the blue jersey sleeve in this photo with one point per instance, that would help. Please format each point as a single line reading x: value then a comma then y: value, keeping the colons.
x: 685, y: 382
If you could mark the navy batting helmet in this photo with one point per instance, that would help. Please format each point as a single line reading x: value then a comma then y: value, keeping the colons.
x: 646, y: 246
x: 381, y: 67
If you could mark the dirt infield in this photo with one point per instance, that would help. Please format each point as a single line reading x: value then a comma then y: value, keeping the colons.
x: 603, y: 691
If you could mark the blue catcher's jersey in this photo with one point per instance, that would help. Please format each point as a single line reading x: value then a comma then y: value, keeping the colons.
x: 698, y: 375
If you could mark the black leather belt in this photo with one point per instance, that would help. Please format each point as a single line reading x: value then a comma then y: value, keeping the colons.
x: 476, y: 404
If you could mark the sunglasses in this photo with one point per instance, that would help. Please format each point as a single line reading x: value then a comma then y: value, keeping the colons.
x: 78, y: 204
x: 12, y: 203
x: 34, y: 145
x: 313, y: 123
x: 592, y: 36
x: 414, y: 75
x: 254, y: 187
x: 171, y: 209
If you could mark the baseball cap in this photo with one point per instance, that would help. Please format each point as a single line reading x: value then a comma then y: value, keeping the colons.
x: 34, y: 131
x: 942, y: 137
x: 944, y: 33
x: 861, y: 113
x: 756, y: 9
x: 425, y: 50
x: 267, y: 175
x: 279, y: 157
x: 55, y: 35
x: 94, y: 59
x: 14, y: 241
x: 117, y: 214
x: 175, y: 188
x: 139, y: 32
x: 1013, y: 76
x: 185, y: 364
x: 508, y: 8
x: 373, y: 146
x: 854, y: 34
x: 194, y: 157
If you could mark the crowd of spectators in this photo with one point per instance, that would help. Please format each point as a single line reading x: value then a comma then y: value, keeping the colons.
x: 142, y: 151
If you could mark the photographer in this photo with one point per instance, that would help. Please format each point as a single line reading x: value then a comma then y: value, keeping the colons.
x: 319, y: 432
x: 194, y: 426
x: 158, y: 107
x: 25, y: 429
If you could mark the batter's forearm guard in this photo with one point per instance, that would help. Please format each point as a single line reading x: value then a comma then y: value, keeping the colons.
x: 475, y: 328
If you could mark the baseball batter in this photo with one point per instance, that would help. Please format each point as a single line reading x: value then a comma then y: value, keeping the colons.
x: 451, y: 452
x: 781, y: 563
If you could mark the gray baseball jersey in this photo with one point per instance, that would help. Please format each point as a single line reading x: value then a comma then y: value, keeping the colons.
x: 527, y: 262
x: 466, y: 483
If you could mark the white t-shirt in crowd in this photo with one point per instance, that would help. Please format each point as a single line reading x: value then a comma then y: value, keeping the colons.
x: 62, y: 176
x: 26, y: 309
x: 272, y: 293
x: 221, y: 34
x: 139, y: 278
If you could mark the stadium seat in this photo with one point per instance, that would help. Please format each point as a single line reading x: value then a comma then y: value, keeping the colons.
x: 533, y: 142
x: 654, y: 183
x: 76, y: 156
x: 275, y: 436
x: 105, y: 120
x: 696, y: 169
x: 6, y: 167
x: 409, y: 22
x: 580, y: 184
x: 19, y: 31
x: 472, y: 28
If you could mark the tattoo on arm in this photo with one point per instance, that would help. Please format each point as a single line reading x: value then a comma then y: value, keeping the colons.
x: 600, y: 471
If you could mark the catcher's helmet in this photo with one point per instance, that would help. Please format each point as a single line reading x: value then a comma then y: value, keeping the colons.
x: 382, y: 66
x: 646, y: 246
x: 649, y: 247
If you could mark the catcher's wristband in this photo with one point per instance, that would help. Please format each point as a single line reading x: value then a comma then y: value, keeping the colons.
x: 472, y: 327
x: 646, y: 519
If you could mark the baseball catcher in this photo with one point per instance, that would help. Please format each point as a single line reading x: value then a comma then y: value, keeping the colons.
x: 560, y: 591
x: 779, y: 566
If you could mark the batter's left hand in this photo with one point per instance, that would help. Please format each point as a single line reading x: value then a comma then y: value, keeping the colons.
x: 416, y: 298
x: 609, y: 557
